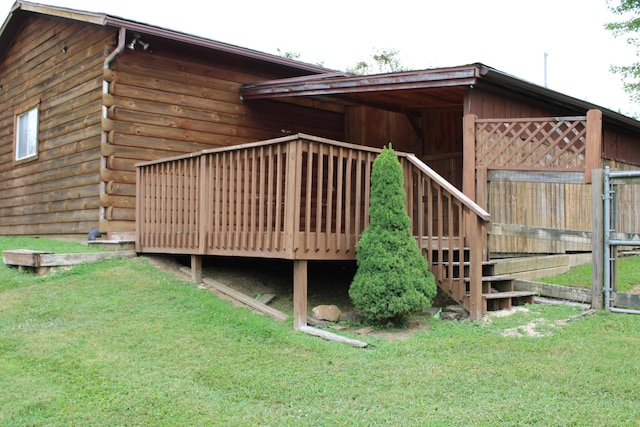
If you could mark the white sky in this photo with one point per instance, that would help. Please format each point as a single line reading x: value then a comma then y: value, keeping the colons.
x: 509, y: 35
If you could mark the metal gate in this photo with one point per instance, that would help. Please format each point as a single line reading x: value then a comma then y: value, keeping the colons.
x: 615, y: 236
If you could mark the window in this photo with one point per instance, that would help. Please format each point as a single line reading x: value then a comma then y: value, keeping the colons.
x: 26, y: 144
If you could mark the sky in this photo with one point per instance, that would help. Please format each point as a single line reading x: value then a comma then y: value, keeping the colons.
x: 513, y: 36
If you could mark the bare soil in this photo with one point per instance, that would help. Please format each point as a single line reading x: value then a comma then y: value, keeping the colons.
x: 328, y: 284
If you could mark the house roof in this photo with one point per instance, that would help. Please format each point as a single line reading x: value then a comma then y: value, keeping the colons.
x: 21, y: 9
x: 437, y: 88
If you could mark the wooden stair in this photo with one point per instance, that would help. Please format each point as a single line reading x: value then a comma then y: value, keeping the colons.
x: 498, y: 291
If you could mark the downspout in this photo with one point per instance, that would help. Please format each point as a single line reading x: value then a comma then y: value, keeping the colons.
x: 105, y: 113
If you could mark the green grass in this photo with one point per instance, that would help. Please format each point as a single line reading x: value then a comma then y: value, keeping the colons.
x: 628, y: 275
x: 119, y: 343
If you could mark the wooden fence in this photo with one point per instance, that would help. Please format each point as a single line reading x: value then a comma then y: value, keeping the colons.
x: 533, y: 175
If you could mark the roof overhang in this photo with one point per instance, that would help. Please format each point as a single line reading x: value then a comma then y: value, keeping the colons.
x: 407, y: 90
x: 424, y: 89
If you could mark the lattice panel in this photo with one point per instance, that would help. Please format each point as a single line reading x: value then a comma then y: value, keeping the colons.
x: 532, y: 144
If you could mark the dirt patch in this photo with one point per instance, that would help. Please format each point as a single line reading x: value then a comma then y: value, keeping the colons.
x: 538, y: 327
x: 328, y: 284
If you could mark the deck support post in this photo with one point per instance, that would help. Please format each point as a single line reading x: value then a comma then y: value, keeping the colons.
x: 299, y: 294
x: 196, y: 269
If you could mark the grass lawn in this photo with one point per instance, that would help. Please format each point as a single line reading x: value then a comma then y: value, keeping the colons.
x: 120, y: 343
x: 628, y: 275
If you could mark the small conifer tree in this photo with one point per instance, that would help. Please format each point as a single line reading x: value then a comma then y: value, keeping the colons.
x: 392, y: 280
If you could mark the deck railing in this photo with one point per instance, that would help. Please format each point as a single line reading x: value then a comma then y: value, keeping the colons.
x: 299, y: 198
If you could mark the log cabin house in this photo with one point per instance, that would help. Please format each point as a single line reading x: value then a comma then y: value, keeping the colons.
x: 192, y: 146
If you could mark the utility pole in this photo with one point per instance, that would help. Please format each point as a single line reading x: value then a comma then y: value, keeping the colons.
x: 545, y: 68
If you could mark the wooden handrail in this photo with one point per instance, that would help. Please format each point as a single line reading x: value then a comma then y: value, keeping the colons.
x: 450, y: 188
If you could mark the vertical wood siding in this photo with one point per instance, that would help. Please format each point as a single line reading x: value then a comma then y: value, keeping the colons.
x: 58, y: 192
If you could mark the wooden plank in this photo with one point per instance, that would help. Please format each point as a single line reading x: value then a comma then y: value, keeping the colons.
x: 543, y: 233
x: 22, y: 257
x: 510, y: 294
x: 535, y: 176
x: 29, y: 258
x: 239, y: 296
x: 330, y: 336
x: 569, y: 293
x: 627, y: 300
x: 508, y: 266
x: 53, y: 260
x: 543, y: 272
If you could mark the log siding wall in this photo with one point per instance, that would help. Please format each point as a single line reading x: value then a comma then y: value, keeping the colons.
x: 163, y: 104
x: 58, y: 64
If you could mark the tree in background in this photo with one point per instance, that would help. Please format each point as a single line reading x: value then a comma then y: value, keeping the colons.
x: 381, y: 61
x: 393, y: 279
x: 629, y: 10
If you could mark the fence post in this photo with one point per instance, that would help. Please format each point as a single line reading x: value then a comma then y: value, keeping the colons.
x: 597, y: 239
x: 593, y: 149
x: 469, y: 156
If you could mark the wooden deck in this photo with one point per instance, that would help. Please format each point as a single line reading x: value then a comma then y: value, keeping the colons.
x: 300, y: 198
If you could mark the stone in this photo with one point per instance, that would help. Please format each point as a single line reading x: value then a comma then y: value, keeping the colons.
x: 448, y: 315
x: 456, y: 309
x: 330, y: 313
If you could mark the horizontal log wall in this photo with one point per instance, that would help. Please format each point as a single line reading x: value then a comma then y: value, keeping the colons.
x: 58, y: 63
x: 167, y: 103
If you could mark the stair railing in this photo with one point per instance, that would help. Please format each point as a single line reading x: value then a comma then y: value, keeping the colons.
x: 448, y: 226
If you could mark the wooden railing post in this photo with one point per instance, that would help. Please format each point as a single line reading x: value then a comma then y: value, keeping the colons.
x: 139, y: 209
x: 292, y: 193
x: 475, y: 268
x: 593, y: 150
x: 203, y: 213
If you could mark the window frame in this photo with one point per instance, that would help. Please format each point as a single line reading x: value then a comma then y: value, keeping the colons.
x: 19, y: 114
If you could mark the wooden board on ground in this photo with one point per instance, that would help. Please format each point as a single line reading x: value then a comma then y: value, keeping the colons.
x: 570, y: 293
x: 239, y: 296
x: 42, y: 261
x: 245, y: 299
x: 631, y: 301
x: 330, y: 336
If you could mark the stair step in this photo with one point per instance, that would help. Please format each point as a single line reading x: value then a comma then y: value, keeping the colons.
x: 486, y: 279
x: 465, y: 263
x: 510, y: 294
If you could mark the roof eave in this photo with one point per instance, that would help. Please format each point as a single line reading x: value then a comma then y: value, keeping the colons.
x: 113, y: 21
x: 345, y: 84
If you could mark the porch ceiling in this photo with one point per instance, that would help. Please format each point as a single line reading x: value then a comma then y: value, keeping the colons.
x: 427, y: 89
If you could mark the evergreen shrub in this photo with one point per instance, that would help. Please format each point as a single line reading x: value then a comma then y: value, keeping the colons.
x: 392, y: 280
